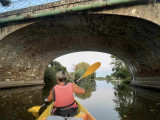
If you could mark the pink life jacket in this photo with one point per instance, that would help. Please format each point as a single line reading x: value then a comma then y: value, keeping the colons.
x: 64, y: 96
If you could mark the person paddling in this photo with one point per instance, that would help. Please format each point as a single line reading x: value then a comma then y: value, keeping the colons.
x: 62, y: 95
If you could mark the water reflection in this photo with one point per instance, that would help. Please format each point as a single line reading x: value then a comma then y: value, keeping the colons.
x: 14, y: 103
x: 46, y: 90
x: 146, y: 105
x: 136, y: 103
x: 103, y: 99
x: 89, y: 86
x: 123, y: 100
x: 47, y: 87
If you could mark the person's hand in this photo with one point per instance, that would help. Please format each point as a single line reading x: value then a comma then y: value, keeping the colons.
x: 77, y: 89
x: 46, y: 101
x: 75, y: 81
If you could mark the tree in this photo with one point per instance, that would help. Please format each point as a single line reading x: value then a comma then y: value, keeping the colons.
x: 120, y: 70
x: 117, y: 63
x: 84, y: 66
x: 108, y: 77
x: 50, y: 73
x: 81, y: 68
x: 5, y: 2
x: 57, y: 65
x: 93, y: 75
x: 79, y: 73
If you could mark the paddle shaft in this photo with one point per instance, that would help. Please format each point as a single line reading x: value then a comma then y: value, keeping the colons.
x: 90, y: 70
x: 79, y: 79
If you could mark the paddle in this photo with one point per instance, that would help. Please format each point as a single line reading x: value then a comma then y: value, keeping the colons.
x: 35, y: 110
x: 90, y: 70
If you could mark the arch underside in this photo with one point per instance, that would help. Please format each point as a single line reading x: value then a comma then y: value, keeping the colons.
x: 26, y: 52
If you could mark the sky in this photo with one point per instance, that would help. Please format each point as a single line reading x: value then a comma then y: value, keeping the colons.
x: 70, y: 60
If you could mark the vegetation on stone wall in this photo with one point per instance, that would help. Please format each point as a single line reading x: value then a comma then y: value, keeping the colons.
x: 5, y: 2
x: 120, y: 70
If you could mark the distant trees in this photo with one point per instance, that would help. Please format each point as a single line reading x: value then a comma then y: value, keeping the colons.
x: 5, y: 2
x: 120, y: 70
x: 54, y: 67
x: 50, y: 78
x: 80, y: 69
x: 109, y: 77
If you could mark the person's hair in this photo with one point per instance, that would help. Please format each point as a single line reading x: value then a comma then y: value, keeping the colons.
x: 61, y: 76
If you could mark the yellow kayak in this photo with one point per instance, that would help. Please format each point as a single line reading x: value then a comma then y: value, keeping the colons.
x: 83, y: 114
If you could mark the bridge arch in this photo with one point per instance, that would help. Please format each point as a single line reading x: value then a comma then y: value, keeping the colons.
x: 26, y: 52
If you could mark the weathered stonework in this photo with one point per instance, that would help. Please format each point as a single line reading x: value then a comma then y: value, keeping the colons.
x: 148, y: 12
x: 5, y: 30
x: 26, y: 48
x: 62, y: 4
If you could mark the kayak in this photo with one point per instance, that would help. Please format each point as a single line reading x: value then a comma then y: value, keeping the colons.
x: 83, y: 114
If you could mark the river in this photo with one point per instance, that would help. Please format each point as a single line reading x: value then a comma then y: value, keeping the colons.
x: 104, y: 100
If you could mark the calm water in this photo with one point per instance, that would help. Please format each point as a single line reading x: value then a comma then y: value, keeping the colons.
x: 104, y: 100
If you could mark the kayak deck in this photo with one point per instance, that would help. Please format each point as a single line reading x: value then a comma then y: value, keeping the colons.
x: 62, y: 118
x: 82, y: 113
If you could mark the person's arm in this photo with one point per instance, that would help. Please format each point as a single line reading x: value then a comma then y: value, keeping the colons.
x: 77, y: 89
x: 50, y: 97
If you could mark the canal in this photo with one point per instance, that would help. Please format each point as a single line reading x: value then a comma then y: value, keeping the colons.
x: 104, y: 100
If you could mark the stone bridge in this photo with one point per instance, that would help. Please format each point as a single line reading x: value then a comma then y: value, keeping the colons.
x: 31, y: 38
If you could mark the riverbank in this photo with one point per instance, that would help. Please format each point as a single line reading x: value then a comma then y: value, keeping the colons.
x: 17, y: 84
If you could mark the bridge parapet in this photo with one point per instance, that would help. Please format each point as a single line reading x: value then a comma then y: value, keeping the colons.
x: 60, y: 7
x: 64, y: 4
x: 148, y: 12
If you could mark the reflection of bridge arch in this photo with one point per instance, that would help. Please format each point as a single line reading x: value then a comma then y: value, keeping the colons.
x: 26, y: 52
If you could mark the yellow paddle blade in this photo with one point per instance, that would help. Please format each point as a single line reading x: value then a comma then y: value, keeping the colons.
x: 34, y: 109
x: 92, y: 69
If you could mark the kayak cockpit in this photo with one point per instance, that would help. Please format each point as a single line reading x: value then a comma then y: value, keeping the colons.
x: 63, y: 118
x: 83, y: 114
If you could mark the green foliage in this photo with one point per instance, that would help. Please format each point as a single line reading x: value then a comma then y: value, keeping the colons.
x: 79, y: 73
x: 5, y: 2
x: 108, y: 77
x: 93, y: 75
x: 57, y: 66
x: 50, y: 73
x: 81, y: 68
x: 117, y: 63
x: 71, y: 77
x: 127, y: 80
x: 120, y: 70
x: 100, y: 78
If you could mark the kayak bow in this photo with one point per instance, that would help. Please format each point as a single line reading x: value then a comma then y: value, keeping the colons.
x: 83, y: 113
